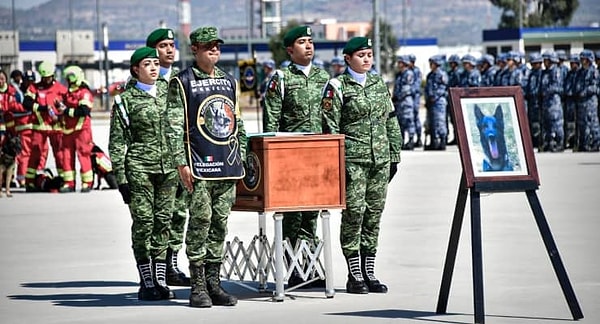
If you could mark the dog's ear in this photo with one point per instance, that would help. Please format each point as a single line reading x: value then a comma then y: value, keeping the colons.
x: 478, y: 113
x: 499, y: 116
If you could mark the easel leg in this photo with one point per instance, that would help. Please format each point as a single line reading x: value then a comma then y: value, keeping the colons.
x: 557, y: 264
x: 279, y: 294
x: 329, y: 291
x: 263, y: 262
x: 459, y: 212
x: 476, y: 256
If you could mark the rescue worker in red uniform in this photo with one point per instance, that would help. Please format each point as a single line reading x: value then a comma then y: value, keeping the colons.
x: 22, y: 120
x: 77, y: 130
x: 43, y: 100
x: 8, y: 104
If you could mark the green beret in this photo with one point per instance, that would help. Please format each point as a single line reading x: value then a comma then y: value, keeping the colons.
x: 295, y: 33
x: 356, y: 44
x: 142, y: 53
x: 205, y: 35
x: 159, y: 35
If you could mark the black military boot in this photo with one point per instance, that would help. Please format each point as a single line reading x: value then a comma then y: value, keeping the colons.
x: 213, y: 285
x: 410, y: 145
x: 175, y: 277
x: 356, y: 283
x: 368, y: 272
x: 147, y: 289
x: 160, y: 273
x: 198, y: 295
x: 419, y: 143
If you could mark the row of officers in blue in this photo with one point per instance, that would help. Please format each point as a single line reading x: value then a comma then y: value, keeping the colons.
x: 561, y: 96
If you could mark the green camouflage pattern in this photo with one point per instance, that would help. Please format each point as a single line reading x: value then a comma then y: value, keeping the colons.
x: 364, y: 114
x: 210, y: 206
x: 292, y: 104
x: 180, y: 208
x: 140, y: 158
x: 151, y: 207
x: 141, y: 146
x: 211, y: 200
x: 299, y: 110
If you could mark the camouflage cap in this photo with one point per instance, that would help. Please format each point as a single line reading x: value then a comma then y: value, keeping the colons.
x: 205, y: 35
x: 356, y: 44
x: 295, y: 33
x: 159, y: 35
x: 142, y: 53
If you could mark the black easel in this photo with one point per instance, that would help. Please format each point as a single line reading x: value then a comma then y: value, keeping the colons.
x: 476, y: 253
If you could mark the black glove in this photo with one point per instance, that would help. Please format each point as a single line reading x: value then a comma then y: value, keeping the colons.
x: 42, y: 108
x: 125, y: 193
x: 393, y: 170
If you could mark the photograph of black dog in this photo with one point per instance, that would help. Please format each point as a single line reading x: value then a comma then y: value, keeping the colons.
x: 11, y: 147
x: 493, y: 141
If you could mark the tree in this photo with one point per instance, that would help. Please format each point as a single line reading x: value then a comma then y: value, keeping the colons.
x: 276, y: 43
x: 389, y: 46
x: 536, y: 13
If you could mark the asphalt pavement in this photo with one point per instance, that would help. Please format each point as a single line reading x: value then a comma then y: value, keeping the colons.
x: 67, y: 257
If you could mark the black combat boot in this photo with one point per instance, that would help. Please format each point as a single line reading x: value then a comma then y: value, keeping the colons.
x: 198, y: 295
x: 368, y: 272
x: 175, y: 277
x: 213, y: 286
x: 356, y: 283
x: 160, y: 281
x: 410, y: 145
x: 419, y: 143
x: 147, y: 289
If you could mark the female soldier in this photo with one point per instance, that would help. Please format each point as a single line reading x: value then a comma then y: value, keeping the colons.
x: 358, y: 104
x: 77, y: 130
x: 147, y: 182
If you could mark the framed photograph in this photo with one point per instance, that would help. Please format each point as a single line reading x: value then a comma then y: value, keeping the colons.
x: 493, y: 136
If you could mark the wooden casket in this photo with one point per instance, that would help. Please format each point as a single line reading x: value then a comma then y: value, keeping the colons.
x: 293, y: 172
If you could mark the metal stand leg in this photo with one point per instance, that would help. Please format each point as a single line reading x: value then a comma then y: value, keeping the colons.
x: 279, y: 294
x: 477, y: 259
x: 263, y: 261
x: 329, y: 291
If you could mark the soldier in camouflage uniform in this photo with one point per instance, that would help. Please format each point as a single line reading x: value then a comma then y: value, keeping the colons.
x: 358, y: 105
x: 487, y: 70
x: 470, y: 76
x: 455, y: 73
x: 586, y: 91
x: 552, y: 112
x: 533, y: 98
x: 417, y: 98
x: 570, y: 102
x: 402, y: 98
x: 207, y: 141
x: 142, y: 166
x: 436, y: 103
x: 163, y: 39
x: 292, y: 105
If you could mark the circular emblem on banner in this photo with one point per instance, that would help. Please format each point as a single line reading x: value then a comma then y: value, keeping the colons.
x: 249, y: 77
x: 253, y: 172
x: 216, y: 117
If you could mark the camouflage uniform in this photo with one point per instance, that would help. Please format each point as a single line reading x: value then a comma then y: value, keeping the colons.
x: 436, y: 102
x: 140, y: 158
x: 552, y: 112
x: 417, y: 97
x: 403, y: 102
x: 292, y: 104
x: 487, y: 73
x: 469, y: 77
x: 373, y: 141
x: 534, y: 99
x: 212, y: 198
x: 570, y: 102
x: 587, y: 104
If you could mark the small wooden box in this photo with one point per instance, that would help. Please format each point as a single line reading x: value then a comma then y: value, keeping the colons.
x: 288, y: 172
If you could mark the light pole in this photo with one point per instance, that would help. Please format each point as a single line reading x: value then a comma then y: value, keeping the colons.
x: 376, y: 38
x: 106, y: 64
x: 99, y: 49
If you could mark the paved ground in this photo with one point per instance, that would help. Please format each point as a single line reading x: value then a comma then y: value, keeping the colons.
x: 67, y: 257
